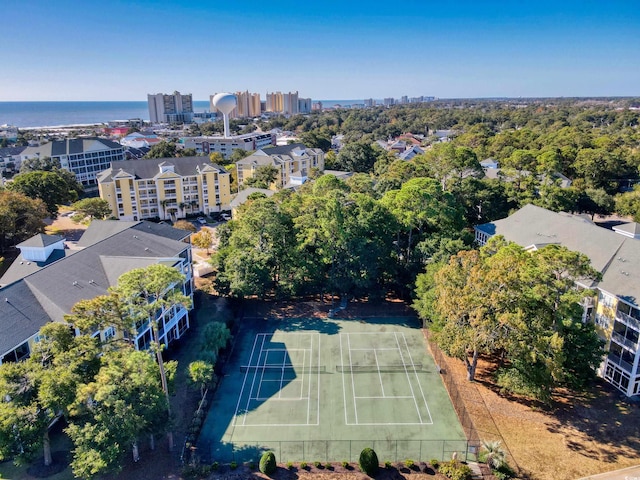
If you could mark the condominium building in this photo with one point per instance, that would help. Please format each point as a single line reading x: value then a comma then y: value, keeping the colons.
x: 85, y: 157
x: 248, y: 106
x: 304, y: 105
x: 166, y: 188
x: 248, y: 142
x: 170, y: 108
x: 294, y: 163
x: 44, y: 283
x: 284, y: 103
x: 615, y: 310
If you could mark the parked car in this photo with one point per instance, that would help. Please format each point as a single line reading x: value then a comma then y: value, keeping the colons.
x: 225, y: 216
x: 201, y: 220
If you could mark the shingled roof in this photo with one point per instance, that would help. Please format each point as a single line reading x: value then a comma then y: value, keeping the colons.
x: 617, y: 257
x: 150, y: 167
x: 49, y: 293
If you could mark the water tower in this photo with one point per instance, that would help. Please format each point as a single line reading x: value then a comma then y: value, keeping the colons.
x: 225, y: 102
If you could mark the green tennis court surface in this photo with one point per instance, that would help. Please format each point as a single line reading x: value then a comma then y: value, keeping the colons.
x: 323, y: 390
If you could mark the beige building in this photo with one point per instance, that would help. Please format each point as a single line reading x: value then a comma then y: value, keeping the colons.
x: 168, y: 188
x: 294, y: 163
x: 285, y: 103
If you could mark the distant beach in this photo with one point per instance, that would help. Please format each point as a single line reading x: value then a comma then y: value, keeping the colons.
x: 51, y: 114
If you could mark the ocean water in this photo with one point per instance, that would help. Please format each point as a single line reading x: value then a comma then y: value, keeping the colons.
x: 48, y: 114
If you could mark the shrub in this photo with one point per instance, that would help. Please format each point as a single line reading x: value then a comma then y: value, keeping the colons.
x: 303, y: 465
x: 317, y: 464
x: 387, y: 464
x: 409, y: 463
x: 434, y: 463
x: 233, y: 465
x: 504, y: 472
x: 290, y: 465
x: 328, y: 466
x: 215, y: 466
x: 455, y: 470
x: 268, y: 463
x: 369, y: 461
x: 345, y: 464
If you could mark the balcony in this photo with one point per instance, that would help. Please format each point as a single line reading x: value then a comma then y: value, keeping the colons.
x: 625, y: 342
x: 628, y: 320
x: 616, y: 360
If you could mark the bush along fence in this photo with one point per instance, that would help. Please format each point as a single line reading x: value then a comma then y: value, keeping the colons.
x: 324, y: 451
x: 475, y: 434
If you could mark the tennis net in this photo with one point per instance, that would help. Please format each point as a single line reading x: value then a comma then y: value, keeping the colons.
x: 400, y: 367
x: 281, y: 369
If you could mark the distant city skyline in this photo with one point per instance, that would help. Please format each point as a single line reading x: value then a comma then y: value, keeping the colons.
x: 123, y: 50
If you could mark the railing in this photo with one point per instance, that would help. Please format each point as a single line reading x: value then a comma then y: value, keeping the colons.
x: 628, y: 320
x: 622, y: 340
x: 619, y: 362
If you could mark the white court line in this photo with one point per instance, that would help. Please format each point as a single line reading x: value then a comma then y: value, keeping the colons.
x: 344, y: 387
x: 255, y: 375
x: 304, y: 360
x: 371, y: 348
x: 353, y: 385
x: 419, y: 384
x: 375, y: 354
x: 244, y: 381
x: 264, y: 351
x: 385, y: 397
x: 409, y: 379
x: 317, y: 335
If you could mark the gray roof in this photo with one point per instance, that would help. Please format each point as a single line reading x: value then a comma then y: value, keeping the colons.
x: 11, y: 151
x: 21, y: 267
x: 632, y: 228
x: 284, y: 149
x: 98, y: 230
x: 71, y: 146
x: 41, y: 240
x: 50, y: 293
x: 150, y: 167
x: 533, y: 226
x: 242, y: 197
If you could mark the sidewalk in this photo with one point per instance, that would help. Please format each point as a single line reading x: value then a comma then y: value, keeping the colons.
x: 631, y: 473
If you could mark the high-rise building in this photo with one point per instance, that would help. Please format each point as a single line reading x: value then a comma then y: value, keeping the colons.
x: 248, y: 105
x: 173, y: 108
x: 304, y: 105
x: 369, y: 102
x: 284, y: 103
x: 389, y: 101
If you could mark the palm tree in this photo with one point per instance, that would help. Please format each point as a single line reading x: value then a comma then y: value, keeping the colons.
x: 493, y: 453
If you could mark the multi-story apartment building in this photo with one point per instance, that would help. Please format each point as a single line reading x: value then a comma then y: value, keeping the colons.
x: 616, y: 255
x: 166, y: 188
x: 170, y: 108
x: 294, y: 163
x: 43, y: 283
x: 284, y: 103
x: 85, y: 157
x: 304, y: 105
x: 249, y: 105
x: 248, y: 142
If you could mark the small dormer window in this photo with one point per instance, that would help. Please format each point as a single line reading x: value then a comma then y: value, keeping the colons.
x: 167, y: 167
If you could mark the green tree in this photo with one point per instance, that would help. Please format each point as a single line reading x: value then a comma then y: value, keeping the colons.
x: 163, y: 149
x: 357, y: 157
x: 628, y: 204
x: 148, y: 291
x: 124, y: 401
x: 317, y: 139
x: 41, y: 164
x: 20, y: 218
x: 264, y: 177
x: 595, y: 201
x: 92, y: 208
x: 201, y: 374
x: 524, y: 304
x: 53, y: 188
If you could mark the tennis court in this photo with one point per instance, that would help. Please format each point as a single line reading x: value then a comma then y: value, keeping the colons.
x: 325, y: 392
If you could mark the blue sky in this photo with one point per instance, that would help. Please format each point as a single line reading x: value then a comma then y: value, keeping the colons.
x: 122, y: 50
